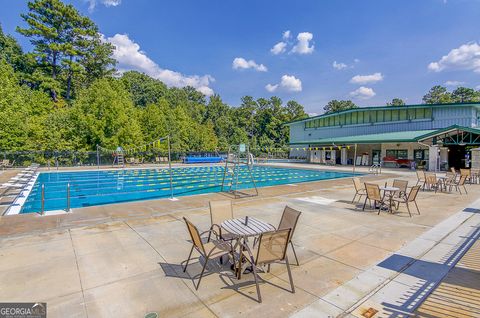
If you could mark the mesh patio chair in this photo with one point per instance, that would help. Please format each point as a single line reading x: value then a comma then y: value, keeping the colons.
x: 209, y: 250
x: 374, y: 195
x: 467, y: 174
x: 410, y: 198
x: 402, y: 185
x: 459, y: 184
x: 359, y: 189
x: 421, y: 178
x: 219, y: 212
x: 289, y: 221
x: 431, y: 182
x: 270, y: 248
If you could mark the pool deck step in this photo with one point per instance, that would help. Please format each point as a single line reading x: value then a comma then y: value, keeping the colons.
x: 402, y: 282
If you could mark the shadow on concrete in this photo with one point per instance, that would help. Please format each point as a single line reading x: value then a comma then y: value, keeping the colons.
x: 429, y: 275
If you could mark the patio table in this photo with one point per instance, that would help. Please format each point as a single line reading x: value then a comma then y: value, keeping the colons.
x: 244, y: 228
x: 390, y: 192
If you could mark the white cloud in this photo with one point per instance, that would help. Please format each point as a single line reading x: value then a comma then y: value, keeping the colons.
x: 286, y: 35
x: 271, y: 88
x: 312, y: 114
x: 339, y: 66
x: 465, y: 57
x: 454, y: 83
x: 356, y: 60
x: 287, y: 83
x: 477, y: 87
x: 108, y: 3
x: 241, y: 63
x: 130, y: 57
x: 278, y: 48
x: 303, y: 43
x: 363, y: 93
x: 365, y: 79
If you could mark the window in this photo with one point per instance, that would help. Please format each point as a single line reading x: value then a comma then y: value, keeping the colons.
x: 395, y: 115
x: 360, y: 117
x: 380, y: 117
x: 428, y: 113
x: 419, y: 113
x: 403, y: 114
x: 337, y: 120
x: 397, y: 153
x: 388, y: 115
x: 348, y: 119
x: 342, y: 119
x: 354, y: 118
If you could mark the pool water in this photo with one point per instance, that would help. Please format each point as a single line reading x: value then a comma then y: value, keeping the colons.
x: 89, y: 188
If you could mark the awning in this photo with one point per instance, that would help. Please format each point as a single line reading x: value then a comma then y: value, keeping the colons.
x: 433, y: 136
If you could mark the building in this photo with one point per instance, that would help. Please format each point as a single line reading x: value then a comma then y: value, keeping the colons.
x: 435, y: 137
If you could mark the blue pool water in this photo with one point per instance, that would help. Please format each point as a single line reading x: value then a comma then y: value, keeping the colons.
x: 88, y: 188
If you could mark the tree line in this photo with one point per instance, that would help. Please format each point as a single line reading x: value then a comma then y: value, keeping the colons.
x: 436, y: 95
x: 66, y: 95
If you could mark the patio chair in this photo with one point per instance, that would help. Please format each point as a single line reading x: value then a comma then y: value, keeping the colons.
x: 271, y: 248
x: 452, y: 169
x: 373, y: 194
x: 474, y: 175
x: 209, y: 250
x: 431, y: 182
x: 219, y: 212
x: 411, y: 197
x: 402, y: 185
x: 289, y: 221
x: 421, y: 178
x: 359, y: 189
x: 459, y: 184
x: 467, y: 174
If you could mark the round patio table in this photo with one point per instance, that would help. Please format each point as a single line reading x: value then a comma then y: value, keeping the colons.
x: 242, y: 228
x: 391, y: 192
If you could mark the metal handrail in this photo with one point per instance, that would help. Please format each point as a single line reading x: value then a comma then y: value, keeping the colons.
x: 68, y: 198
x: 43, y: 200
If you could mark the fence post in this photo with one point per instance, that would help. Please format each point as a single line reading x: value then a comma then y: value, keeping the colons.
x: 68, y: 198
x: 170, y: 166
x: 98, y: 158
x: 43, y: 200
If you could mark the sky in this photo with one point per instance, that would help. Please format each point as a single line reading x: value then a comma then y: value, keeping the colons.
x: 311, y: 51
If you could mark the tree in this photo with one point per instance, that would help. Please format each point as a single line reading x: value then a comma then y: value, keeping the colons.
x: 143, y: 89
x: 11, y: 51
x: 396, y: 102
x: 105, y: 115
x: 437, y: 95
x: 62, y: 40
x: 465, y: 95
x: 338, y: 105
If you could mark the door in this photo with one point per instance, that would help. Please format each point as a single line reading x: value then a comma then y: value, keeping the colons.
x: 376, y: 156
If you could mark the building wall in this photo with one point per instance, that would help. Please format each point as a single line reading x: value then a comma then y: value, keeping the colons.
x: 441, y: 117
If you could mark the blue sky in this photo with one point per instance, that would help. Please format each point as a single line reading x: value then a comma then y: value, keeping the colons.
x: 381, y: 49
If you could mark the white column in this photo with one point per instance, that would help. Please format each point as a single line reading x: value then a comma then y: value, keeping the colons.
x: 433, y: 158
x: 343, y: 156
x: 322, y: 156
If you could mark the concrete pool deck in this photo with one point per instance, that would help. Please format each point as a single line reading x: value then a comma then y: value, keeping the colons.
x: 124, y: 260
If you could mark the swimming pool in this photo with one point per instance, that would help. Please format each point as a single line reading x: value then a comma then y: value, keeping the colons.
x: 89, y: 188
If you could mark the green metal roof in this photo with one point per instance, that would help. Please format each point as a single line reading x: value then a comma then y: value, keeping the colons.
x: 400, y: 136
x: 390, y: 137
x: 476, y: 104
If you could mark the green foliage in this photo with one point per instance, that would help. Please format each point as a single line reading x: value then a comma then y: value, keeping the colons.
x: 338, y: 105
x: 67, y: 47
x: 465, y: 95
x: 396, y: 102
x: 437, y: 95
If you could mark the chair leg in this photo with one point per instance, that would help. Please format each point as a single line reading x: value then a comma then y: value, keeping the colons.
x: 465, y: 188
x: 201, y: 274
x: 188, y: 259
x: 408, y: 209
x: 289, y: 274
x: 255, y: 275
x: 354, y: 197
x: 418, y: 210
x: 365, y: 203
x: 294, y: 253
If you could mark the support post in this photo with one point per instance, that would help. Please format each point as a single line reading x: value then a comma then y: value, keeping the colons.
x: 68, y: 198
x: 98, y: 158
x: 170, y: 166
x: 42, y: 212
x: 355, y: 159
